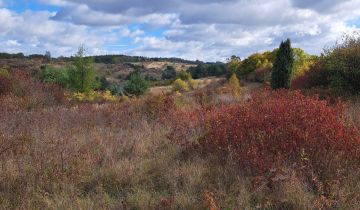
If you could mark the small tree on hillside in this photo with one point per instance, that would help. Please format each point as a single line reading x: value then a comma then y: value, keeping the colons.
x: 136, y: 85
x: 82, y: 76
x: 169, y: 73
x: 233, y: 65
x: 234, y: 86
x: 283, y: 66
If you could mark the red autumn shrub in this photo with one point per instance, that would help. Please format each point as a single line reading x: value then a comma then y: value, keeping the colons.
x: 271, y: 130
x: 29, y: 93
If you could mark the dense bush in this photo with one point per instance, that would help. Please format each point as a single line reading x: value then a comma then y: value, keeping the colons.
x: 180, y: 85
x: 208, y: 70
x: 337, y: 68
x: 136, y: 85
x: 55, y: 75
x: 315, y: 76
x: 104, y: 84
x: 169, y: 73
x: 183, y: 75
x: 29, y: 93
x: 272, y: 130
x: 343, y: 63
x: 254, y: 62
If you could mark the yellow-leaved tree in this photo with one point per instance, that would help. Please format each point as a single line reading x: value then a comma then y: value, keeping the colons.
x: 234, y: 86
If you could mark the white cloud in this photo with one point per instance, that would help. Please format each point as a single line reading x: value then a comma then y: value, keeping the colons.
x: 34, y: 32
x: 13, y: 43
x: 192, y: 29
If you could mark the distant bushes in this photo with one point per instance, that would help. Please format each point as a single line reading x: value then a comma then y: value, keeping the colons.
x: 180, y: 85
x: 184, y: 82
x: 273, y: 130
x: 78, y: 77
x: 253, y: 62
x: 91, y: 96
x: 208, y: 70
x: 169, y: 73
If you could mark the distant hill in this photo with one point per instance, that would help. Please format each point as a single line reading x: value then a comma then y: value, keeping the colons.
x: 106, y: 59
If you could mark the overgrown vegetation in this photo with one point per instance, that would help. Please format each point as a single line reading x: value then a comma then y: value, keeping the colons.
x: 337, y: 68
x: 67, y: 142
x: 208, y: 70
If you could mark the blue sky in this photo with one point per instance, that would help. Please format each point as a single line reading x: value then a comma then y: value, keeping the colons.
x: 209, y: 30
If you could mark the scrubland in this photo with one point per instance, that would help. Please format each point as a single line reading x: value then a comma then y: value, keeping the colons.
x: 204, y: 149
x: 70, y: 139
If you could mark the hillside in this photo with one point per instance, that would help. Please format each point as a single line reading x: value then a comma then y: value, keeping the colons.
x: 114, y: 72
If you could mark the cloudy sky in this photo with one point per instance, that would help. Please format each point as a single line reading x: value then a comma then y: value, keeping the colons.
x: 208, y: 30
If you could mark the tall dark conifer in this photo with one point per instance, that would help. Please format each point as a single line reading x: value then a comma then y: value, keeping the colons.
x: 283, y: 66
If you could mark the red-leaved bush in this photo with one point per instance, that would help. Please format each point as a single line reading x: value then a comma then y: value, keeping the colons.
x: 271, y: 130
x: 316, y: 76
x: 25, y: 92
x: 5, y: 85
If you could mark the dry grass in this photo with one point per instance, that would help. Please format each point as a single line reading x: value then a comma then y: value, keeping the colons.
x: 118, y: 156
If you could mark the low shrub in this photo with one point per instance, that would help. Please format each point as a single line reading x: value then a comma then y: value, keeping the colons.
x: 193, y: 84
x: 26, y: 92
x: 55, y: 75
x: 159, y: 106
x: 183, y: 75
x: 91, y: 96
x: 136, y: 85
x: 180, y: 85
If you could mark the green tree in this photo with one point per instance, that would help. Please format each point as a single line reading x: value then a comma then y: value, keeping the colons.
x: 82, y: 76
x: 283, y: 66
x: 136, y: 85
x: 233, y: 64
x: 169, y: 73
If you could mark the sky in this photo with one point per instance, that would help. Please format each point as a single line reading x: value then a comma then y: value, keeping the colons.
x: 207, y: 30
